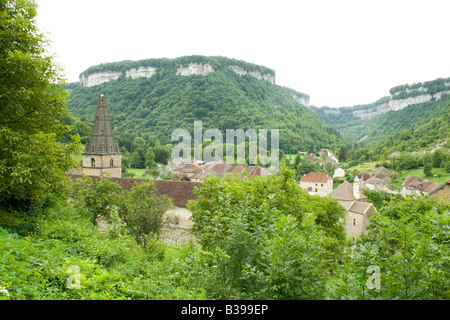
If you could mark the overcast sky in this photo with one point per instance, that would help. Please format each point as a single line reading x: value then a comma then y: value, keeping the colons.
x: 340, y: 52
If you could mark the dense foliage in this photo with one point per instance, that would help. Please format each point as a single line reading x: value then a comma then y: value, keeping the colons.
x: 152, y: 108
x: 33, y: 160
x: 259, y: 238
x: 414, y: 128
x: 346, y: 119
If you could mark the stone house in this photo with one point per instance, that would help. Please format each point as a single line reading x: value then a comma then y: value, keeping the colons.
x: 375, y: 184
x: 338, y: 172
x: 358, y: 209
x: 382, y: 174
x: 361, y: 179
x: 442, y: 192
x: 414, y: 186
x: 357, y: 217
x: 317, y: 183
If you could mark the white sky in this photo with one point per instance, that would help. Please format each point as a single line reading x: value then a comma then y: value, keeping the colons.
x: 340, y: 52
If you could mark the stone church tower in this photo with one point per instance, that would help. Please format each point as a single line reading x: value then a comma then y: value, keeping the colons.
x: 101, y: 153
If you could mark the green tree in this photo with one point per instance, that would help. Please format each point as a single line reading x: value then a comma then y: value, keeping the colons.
x: 150, y: 158
x: 135, y: 160
x: 409, y: 240
x: 243, y: 223
x: 145, y: 209
x: 427, y: 170
x: 438, y: 157
x: 32, y: 102
x: 98, y: 199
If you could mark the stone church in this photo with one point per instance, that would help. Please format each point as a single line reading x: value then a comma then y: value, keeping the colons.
x: 101, y: 153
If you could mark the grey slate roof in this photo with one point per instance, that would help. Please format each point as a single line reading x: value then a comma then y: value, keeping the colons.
x: 102, y: 139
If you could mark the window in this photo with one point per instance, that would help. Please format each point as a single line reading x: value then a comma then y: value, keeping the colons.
x: 111, y: 162
x: 92, y: 162
x: 354, y: 222
x: 321, y: 184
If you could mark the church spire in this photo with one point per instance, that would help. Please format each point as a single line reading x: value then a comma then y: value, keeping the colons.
x: 102, y: 140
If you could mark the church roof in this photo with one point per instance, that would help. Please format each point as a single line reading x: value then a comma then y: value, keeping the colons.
x: 102, y: 140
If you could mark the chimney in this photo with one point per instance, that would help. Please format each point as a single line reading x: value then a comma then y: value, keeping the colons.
x: 356, y: 190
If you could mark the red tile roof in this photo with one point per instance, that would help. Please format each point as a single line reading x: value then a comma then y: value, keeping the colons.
x: 319, y: 177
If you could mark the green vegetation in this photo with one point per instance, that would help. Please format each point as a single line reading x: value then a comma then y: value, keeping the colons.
x: 428, y: 87
x: 258, y: 237
x: 33, y: 160
x: 152, y: 108
x: 344, y: 119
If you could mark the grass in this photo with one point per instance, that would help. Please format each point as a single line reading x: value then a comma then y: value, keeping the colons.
x: 442, y: 175
x: 138, y: 173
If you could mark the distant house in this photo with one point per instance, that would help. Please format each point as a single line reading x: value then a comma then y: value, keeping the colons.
x: 361, y: 179
x: 312, y: 157
x: 333, y: 159
x: 186, y: 170
x: 375, y: 184
x: 317, y: 183
x: 303, y: 153
x: 414, y: 186
x: 325, y: 153
x: 382, y: 174
x: 442, y: 192
x: 358, y: 210
x: 223, y: 168
x: 338, y: 172
x: 176, y: 162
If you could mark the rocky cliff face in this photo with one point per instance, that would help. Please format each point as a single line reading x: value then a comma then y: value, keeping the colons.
x: 96, y: 78
x: 399, y: 98
x: 258, y: 75
x: 303, y: 100
x: 413, y: 95
x: 195, y: 69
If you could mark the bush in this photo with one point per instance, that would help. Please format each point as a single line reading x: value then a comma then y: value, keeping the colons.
x: 144, y: 211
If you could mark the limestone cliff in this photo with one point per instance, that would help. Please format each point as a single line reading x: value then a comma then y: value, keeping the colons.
x: 181, y: 66
x: 400, y: 97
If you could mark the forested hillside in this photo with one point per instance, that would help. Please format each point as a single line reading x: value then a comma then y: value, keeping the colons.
x: 414, y: 128
x: 152, y: 108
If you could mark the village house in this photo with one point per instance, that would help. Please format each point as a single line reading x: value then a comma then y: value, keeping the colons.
x: 357, y: 218
x: 378, y: 181
x: 375, y: 184
x: 317, y: 183
x: 361, y: 179
x: 186, y: 170
x: 338, y: 173
x: 325, y: 153
x: 346, y: 193
x: 312, y: 157
x: 223, y: 168
x: 383, y: 174
x: 414, y: 186
x: 358, y: 209
x: 442, y: 192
